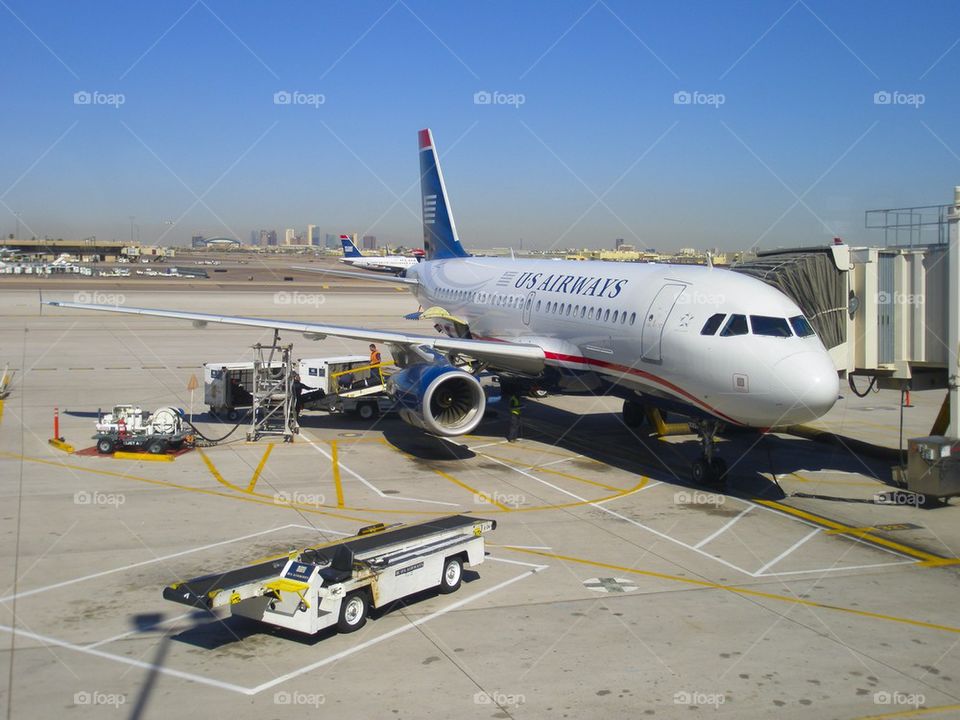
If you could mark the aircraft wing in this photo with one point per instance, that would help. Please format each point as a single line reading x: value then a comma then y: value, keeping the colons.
x: 356, y: 275
x: 502, y: 355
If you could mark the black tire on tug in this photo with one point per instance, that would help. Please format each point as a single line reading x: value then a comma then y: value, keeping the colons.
x: 353, y: 612
x: 452, y: 575
x: 157, y: 447
x: 105, y: 446
x: 368, y: 411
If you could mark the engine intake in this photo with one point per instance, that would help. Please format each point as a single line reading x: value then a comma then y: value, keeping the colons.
x: 439, y: 399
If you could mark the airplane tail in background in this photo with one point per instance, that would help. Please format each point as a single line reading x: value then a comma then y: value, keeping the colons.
x: 349, y: 249
x: 440, y: 239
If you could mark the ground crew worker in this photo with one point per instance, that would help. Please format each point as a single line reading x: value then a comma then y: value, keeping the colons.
x: 513, y: 431
x: 297, y: 388
x: 375, y: 359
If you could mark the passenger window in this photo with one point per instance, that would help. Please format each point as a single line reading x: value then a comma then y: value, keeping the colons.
x: 633, y: 318
x: 801, y: 326
x: 623, y: 317
x: 606, y: 315
x: 736, y: 325
x: 770, y: 326
x: 568, y: 310
x: 590, y: 314
x: 615, y: 315
x: 538, y: 306
x: 712, y: 323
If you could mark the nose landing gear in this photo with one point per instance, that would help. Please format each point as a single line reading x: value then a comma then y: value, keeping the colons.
x: 709, y: 469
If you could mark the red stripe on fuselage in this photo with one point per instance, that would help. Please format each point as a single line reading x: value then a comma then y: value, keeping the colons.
x: 631, y: 371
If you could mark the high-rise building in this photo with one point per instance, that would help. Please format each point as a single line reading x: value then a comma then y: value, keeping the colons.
x: 369, y: 242
x: 331, y: 241
x: 308, y: 239
x: 289, y: 236
x: 198, y: 241
x: 254, y: 237
x: 264, y: 239
x: 272, y: 238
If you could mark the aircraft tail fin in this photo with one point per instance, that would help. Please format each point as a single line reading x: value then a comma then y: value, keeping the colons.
x: 440, y: 239
x: 349, y: 249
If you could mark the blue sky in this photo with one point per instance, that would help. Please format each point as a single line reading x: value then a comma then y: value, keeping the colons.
x: 783, y: 145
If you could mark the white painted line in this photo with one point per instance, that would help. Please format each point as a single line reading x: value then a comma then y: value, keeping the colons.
x: 126, y: 660
x: 786, y: 552
x: 370, y: 485
x: 632, y: 492
x: 386, y: 636
x: 35, y: 591
x: 725, y: 527
x: 839, y: 568
x: 518, y: 562
x: 477, y: 447
x: 624, y: 517
x: 147, y: 629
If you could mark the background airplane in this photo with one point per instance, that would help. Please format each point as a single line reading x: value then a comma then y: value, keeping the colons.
x: 716, y: 345
x: 397, y: 264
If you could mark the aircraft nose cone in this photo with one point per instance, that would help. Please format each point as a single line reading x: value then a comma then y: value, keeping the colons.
x: 812, y: 385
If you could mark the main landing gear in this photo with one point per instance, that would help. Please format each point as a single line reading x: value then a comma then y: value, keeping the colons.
x: 709, y: 469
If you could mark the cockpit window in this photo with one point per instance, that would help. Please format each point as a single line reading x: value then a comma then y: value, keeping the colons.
x: 736, y: 325
x: 801, y: 326
x: 712, y: 323
x: 770, y: 326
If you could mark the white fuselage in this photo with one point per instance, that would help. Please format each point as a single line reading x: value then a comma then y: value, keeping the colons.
x: 640, y: 326
x: 384, y: 263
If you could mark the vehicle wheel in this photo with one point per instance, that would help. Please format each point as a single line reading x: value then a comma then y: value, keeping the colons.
x: 368, y: 411
x: 719, y: 467
x: 701, y: 472
x: 105, y: 446
x: 452, y: 575
x: 633, y: 414
x: 156, y: 447
x: 353, y: 612
x: 232, y: 415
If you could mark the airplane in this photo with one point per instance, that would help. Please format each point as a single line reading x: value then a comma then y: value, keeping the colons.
x: 397, y: 264
x: 719, y: 346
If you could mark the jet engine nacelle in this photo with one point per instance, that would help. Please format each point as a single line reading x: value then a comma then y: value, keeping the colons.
x: 439, y: 399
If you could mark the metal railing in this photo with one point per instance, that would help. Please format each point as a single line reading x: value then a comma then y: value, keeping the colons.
x: 913, y: 226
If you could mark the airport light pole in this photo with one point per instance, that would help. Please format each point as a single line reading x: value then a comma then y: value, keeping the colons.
x: 132, y: 218
x: 16, y: 236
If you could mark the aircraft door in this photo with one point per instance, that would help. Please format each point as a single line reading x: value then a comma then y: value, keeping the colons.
x: 656, y: 318
x: 527, y: 307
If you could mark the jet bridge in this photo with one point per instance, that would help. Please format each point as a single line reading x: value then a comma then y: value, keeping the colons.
x: 889, y: 312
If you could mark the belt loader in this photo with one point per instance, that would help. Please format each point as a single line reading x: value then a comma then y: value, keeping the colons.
x: 337, y: 583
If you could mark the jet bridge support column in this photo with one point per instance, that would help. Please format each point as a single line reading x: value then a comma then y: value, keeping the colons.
x: 953, y: 316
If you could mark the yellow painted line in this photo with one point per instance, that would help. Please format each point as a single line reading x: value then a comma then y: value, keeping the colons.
x: 256, y: 473
x: 559, y: 473
x: 124, y: 455
x: 261, y: 500
x: 61, y: 445
x: 216, y: 473
x: 1, y: 410
x: 741, y: 590
x: 579, y: 503
x: 335, y: 464
x: 851, y: 531
x: 940, y: 562
x: 475, y: 492
x: 912, y: 713
x: 861, y: 483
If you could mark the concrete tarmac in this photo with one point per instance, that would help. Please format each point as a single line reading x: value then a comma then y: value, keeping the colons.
x: 613, y: 586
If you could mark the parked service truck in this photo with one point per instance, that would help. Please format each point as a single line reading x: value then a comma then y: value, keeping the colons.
x: 337, y: 583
